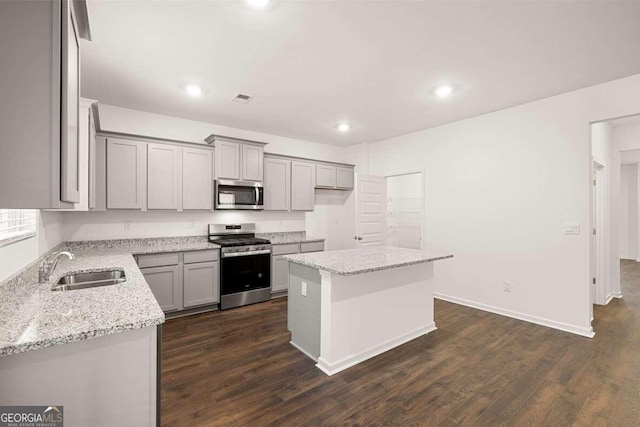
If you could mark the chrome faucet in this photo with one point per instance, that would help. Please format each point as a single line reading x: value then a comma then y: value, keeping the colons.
x: 49, y: 264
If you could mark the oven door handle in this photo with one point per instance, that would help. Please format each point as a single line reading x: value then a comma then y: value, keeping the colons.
x: 235, y: 254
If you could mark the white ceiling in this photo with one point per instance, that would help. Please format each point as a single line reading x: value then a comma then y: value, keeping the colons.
x: 372, y: 63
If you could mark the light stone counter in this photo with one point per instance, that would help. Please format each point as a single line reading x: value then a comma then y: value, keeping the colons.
x: 288, y: 237
x: 348, y: 262
x: 34, y: 317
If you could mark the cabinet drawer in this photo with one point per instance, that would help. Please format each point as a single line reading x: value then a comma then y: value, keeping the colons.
x: 201, y: 256
x: 158, y: 260
x: 312, y: 247
x: 292, y: 248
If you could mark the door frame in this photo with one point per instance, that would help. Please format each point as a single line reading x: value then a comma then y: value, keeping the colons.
x: 598, y: 232
x: 423, y: 233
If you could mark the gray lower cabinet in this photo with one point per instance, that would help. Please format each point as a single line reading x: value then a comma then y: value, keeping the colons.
x: 280, y: 266
x: 280, y: 274
x: 166, y: 286
x: 201, y: 283
x: 181, y: 281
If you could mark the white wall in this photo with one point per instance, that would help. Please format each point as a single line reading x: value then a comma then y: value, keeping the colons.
x: 499, y: 189
x: 135, y: 122
x: 628, y: 219
x: 18, y: 255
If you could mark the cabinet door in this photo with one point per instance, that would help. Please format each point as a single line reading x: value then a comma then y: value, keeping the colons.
x: 280, y: 275
x: 126, y: 163
x: 92, y: 161
x: 344, y: 178
x: 252, y: 162
x: 325, y: 176
x: 277, y: 184
x: 201, y: 283
x: 166, y: 286
x: 197, y: 179
x: 70, y: 108
x: 162, y: 176
x: 303, y: 178
x: 227, y: 160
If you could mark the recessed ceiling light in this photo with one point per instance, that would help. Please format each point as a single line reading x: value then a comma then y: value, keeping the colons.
x: 344, y: 127
x: 193, y: 90
x: 444, y: 91
x: 258, y: 4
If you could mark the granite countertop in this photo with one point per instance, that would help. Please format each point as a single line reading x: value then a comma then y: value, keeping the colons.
x: 349, y: 262
x: 141, y: 246
x: 34, y: 316
x: 287, y: 237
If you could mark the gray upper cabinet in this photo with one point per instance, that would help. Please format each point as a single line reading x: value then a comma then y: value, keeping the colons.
x: 238, y: 159
x: 325, y: 176
x: 39, y: 115
x: 165, y: 283
x: 227, y: 160
x: 201, y: 283
x: 344, y: 178
x: 125, y: 173
x: 303, y: 178
x: 92, y: 161
x: 197, y: 179
x: 163, y: 162
x: 252, y: 162
x: 70, y: 108
x: 277, y: 184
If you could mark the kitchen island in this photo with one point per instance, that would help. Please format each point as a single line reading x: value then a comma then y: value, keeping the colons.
x: 350, y: 305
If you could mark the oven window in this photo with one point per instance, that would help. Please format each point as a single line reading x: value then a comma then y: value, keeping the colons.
x: 245, y: 273
x: 232, y: 195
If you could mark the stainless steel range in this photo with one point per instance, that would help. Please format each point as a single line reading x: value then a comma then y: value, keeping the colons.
x: 245, y: 270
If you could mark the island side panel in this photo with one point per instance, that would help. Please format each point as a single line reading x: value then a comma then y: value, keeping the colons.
x: 304, y: 311
x: 367, y: 314
x: 105, y: 381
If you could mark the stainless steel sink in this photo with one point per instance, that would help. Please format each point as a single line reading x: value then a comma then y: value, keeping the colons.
x: 73, y: 281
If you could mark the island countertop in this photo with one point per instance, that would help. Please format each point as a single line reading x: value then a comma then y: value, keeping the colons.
x: 348, y: 262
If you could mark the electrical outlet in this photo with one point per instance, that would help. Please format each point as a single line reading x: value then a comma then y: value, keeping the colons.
x: 304, y: 289
x: 127, y: 225
x: 192, y: 224
x: 507, y: 286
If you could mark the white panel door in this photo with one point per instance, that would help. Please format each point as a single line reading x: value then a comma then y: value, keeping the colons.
x: 371, y: 206
x: 277, y: 184
x: 162, y: 176
x: 252, y: 162
x: 227, y: 160
x: 197, y: 179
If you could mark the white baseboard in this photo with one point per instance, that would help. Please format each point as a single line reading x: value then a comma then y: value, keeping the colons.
x: 347, y: 362
x: 616, y: 294
x: 305, y: 352
x: 585, y: 332
x: 628, y: 258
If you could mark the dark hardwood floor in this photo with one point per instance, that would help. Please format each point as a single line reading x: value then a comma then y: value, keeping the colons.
x: 237, y: 368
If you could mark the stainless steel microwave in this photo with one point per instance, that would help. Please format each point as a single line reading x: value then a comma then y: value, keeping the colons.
x: 239, y: 195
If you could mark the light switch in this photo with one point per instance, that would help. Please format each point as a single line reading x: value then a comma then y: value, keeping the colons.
x: 304, y: 289
x: 571, y: 228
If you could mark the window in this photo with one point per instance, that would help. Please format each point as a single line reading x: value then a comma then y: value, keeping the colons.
x: 16, y: 224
